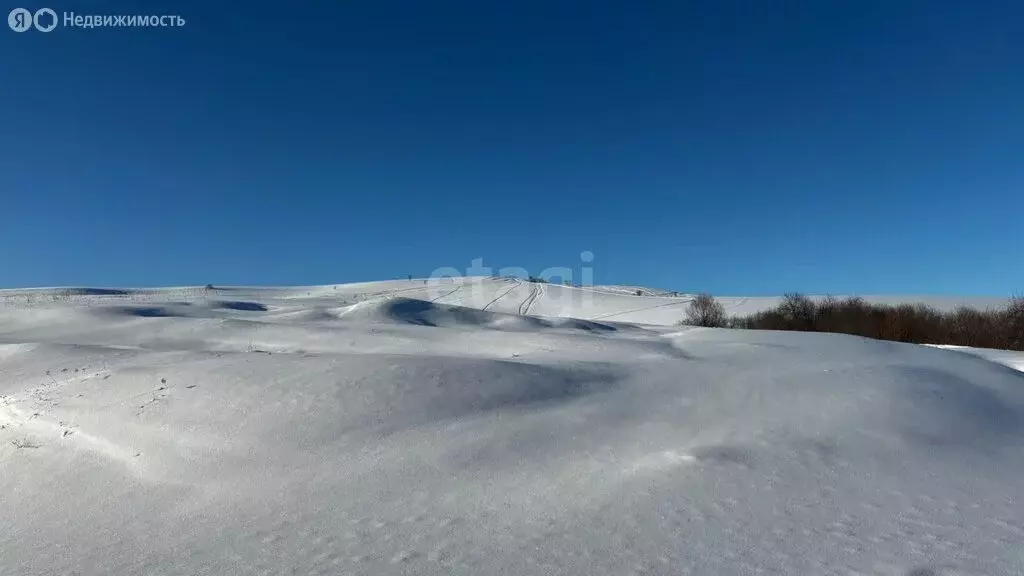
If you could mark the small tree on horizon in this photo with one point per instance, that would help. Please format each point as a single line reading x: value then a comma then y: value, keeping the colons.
x: 705, y: 311
x: 798, y: 311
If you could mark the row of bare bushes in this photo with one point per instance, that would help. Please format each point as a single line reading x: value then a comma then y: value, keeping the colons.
x: 1001, y: 327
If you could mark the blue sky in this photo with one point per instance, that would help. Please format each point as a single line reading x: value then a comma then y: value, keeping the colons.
x: 735, y: 147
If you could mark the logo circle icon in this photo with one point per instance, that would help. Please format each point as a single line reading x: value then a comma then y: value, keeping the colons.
x: 20, y: 19
x: 44, y: 11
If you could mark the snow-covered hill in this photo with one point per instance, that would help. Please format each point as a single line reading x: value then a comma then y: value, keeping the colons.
x: 618, y: 303
x: 488, y: 426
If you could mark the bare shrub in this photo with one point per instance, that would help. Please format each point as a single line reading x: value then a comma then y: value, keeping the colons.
x: 927, y: 327
x: 911, y: 323
x: 827, y: 313
x: 969, y: 327
x: 1012, y: 324
x: 704, y: 310
x: 798, y: 311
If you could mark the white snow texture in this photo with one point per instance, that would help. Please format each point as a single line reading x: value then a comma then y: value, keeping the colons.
x: 490, y: 426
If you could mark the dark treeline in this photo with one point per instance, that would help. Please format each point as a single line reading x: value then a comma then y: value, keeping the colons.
x: 991, y: 328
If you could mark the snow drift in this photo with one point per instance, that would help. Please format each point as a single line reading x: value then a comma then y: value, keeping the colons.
x: 389, y: 429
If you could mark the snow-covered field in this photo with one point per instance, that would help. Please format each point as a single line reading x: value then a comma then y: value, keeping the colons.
x: 1008, y: 358
x: 489, y: 426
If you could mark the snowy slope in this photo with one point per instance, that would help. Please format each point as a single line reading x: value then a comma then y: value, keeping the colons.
x: 472, y: 427
x: 618, y: 303
x: 1007, y: 358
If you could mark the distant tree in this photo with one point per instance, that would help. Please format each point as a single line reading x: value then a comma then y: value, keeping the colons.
x: 970, y: 327
x: 827, y: 311
x: 704, y: 310
x: 798, y: 311
x: 1013, y: 324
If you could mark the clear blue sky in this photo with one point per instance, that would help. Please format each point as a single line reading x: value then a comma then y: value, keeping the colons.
x: 738, y: 147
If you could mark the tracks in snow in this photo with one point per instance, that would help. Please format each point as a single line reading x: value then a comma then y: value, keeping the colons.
x: 515, y: 285
x: 536, y: 292
x: 447, y: 294
x: 41, y: 426
x: 609, y: 315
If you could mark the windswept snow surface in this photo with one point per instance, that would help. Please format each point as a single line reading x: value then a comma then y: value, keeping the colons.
x: 488, y: 427
x: 1008, y: 358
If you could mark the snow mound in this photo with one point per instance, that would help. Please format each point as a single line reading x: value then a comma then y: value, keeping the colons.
x: 205, y: 309
x: 424, y: 313
x: 240, y: 306
x: 95, y: 292
x: 369, y: 430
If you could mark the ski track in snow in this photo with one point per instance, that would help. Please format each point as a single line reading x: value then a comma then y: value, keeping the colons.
x: 642, y: 309
x: 515, y: 284
x: 446, y: 295
x: 383, y: 428
x: 536, y: 290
